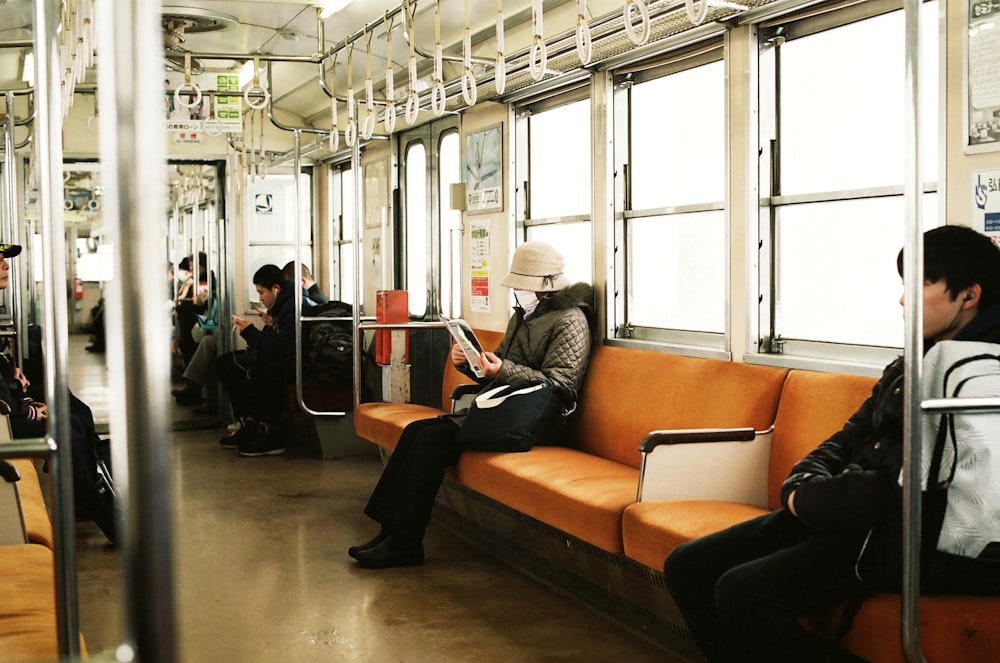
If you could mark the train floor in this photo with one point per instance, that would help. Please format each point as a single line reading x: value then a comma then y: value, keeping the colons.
x: 261, y: 571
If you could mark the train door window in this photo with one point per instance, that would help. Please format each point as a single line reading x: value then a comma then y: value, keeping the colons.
x: 555, y: 179
x: 429, y: 165
x: 450, y: 172
x: 671, y: 147
x: 270, y: 222
x: 833, y: 150
x: 342, y: 213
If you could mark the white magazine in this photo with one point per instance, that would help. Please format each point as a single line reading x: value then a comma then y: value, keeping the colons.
x: 466, y: 339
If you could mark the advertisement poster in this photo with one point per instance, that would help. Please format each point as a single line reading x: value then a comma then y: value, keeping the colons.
x: 479, y: 272
x: 986, y: 203
x: 484, y: 170
x: 983, y: 75
x: 196, y: 110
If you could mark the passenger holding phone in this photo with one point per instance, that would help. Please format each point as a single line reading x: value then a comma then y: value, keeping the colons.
x: 255, y: 379
x: 550, y: 341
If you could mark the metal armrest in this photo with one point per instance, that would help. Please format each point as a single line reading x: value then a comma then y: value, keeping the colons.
x: 689, y: 435
x: 723, y: 464
x: 462, y: 396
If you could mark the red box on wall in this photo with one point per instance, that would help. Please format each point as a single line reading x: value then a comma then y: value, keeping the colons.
x: 390, y: 306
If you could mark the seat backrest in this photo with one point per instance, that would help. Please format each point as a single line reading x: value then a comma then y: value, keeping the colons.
x: 813, y: 407
x: 453, y: 378
x: 628, y: 393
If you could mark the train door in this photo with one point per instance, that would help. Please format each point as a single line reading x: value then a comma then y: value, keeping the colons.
x: 428, y: 266
x: 429, y: 159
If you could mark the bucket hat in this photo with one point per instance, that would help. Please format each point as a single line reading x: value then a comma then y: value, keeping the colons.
x: 537, y: 267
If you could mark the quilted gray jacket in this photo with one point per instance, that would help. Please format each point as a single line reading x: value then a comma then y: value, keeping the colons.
x: 553, y: 344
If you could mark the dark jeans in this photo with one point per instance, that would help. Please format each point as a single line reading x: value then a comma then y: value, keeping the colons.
x: 254, y: 390
x: 742, y: 590
x: 404, y: 497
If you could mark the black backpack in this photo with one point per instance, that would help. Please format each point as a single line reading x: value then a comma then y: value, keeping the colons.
x: 329, y: 345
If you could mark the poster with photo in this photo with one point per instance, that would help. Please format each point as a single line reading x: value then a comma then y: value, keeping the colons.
x: 983, y: 75
x: 484, y: 170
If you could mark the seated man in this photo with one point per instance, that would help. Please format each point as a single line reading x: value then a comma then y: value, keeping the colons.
x: 256, y: 379
x: 314, y: 293
x: 742, y: 590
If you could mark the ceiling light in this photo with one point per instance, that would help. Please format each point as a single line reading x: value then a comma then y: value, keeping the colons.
x: 331, y: 7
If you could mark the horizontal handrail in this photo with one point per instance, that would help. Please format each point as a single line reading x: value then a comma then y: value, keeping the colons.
x: 31, y: 447
x: 981, y: 404
x: 401, y: 325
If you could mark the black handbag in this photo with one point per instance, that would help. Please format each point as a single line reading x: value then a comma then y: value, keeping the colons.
x: 517, y: 416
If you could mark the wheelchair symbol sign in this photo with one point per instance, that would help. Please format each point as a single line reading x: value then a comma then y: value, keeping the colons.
x: 264, y: 203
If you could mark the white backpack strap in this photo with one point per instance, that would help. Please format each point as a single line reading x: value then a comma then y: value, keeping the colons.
x: 490, y: 398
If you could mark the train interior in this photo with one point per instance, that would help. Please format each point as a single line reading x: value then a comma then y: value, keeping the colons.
x: 734, y: 178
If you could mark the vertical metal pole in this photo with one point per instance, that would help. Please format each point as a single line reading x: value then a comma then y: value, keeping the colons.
x: 359, y: 236
x: 50, y: 208
x: 297, y: 267
x: 11, y: 225
x: 133, y: 156
x: 913, y: 271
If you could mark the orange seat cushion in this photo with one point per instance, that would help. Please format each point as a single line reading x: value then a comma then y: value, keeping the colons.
x: 28, y: 608
x: 36, y: 515
x: 578, y: 493
x: 651, y: 530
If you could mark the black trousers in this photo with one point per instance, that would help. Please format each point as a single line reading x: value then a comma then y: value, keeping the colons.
x: 404, y: 496
x: 742, y: 590
x: 254, y: 391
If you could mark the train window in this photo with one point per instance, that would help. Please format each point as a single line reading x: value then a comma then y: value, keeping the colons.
x: 270, y: 227
x: 556, y: 173
x: 557, y: 165
x: 416, y: 226
x: 833, y: 220
x: 672, y: 145
x: 450, y: 172
x: 342, y: 214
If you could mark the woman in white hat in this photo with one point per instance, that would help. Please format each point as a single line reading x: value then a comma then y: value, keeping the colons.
x: 548, y: 338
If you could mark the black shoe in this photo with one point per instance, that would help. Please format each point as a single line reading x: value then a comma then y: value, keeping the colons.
x: 379, y: 538
x: 232, y: 441
x: 270, y: 443
x: 190, y: 394
x: 95, y: 348
x: 391, y: 553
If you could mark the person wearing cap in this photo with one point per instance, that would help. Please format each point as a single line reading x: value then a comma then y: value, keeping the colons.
x: 548, y: 338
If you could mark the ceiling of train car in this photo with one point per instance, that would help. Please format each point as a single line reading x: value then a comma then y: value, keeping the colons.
x: 223, y: 34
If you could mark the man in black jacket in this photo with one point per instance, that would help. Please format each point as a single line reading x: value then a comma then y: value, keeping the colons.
x: 743, y: 590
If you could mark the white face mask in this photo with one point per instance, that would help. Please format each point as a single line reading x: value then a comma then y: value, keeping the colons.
x: 527, y: 300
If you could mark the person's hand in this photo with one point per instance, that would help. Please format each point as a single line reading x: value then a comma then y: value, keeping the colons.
x: 240, y: 323
x: 458, y: 357
x: 41, y: 411
x: 791, y: 504
x: 22, y: 378
x: 490, y: 363
x: 266, y: 317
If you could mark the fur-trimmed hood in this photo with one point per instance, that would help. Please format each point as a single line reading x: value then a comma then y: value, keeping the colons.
x: 579, y: 295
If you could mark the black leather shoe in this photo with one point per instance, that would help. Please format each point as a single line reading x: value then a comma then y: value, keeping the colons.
x: 379, y: 538
x: 391, y: 553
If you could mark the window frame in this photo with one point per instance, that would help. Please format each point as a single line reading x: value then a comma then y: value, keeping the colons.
x: 766, y: 346
x: 713, y: 344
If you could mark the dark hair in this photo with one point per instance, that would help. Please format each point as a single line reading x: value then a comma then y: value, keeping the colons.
x: 185, y: 264
x: 289, y: 271
x: 269, y: 276
x: 962, y: 257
